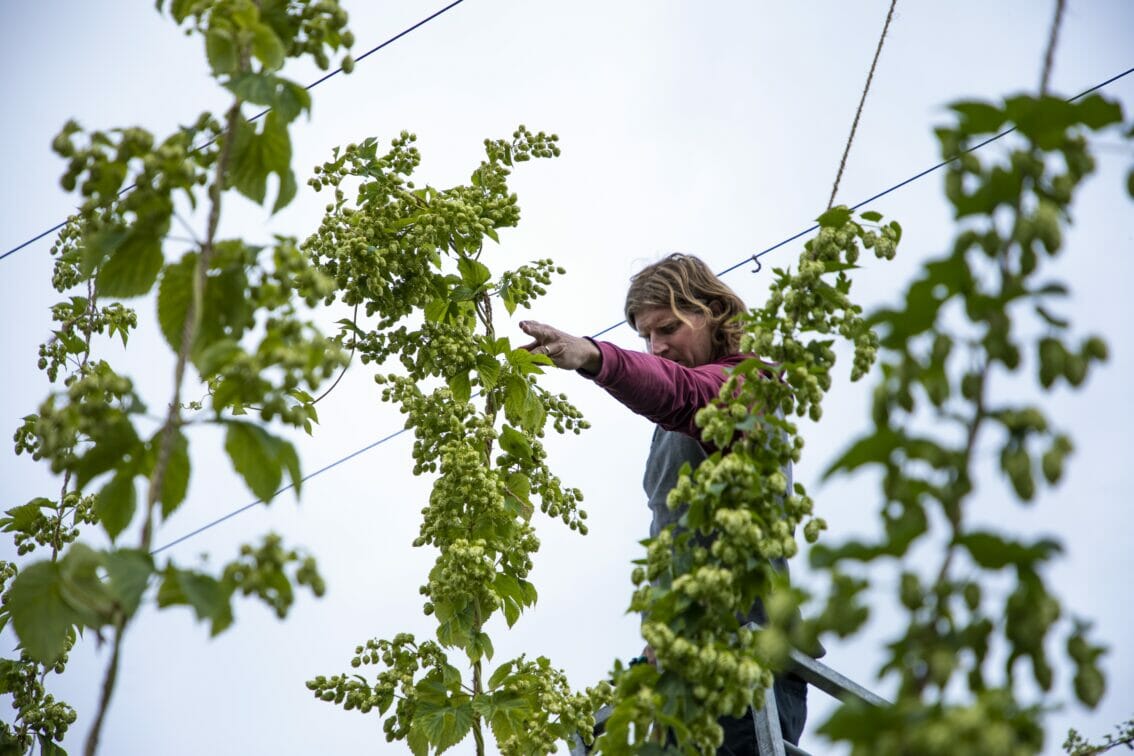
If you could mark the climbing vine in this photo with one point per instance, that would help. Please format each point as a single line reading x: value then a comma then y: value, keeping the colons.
x: 415, y: 259
x: 976, y: 317
x: 984, y: 311
x: 230, y: 313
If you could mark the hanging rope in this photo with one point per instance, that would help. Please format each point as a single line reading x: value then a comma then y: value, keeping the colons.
x: 1049, y: 56
x: 861, y: 102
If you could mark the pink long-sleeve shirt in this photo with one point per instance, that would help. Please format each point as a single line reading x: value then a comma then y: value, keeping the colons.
x: 661, y: 390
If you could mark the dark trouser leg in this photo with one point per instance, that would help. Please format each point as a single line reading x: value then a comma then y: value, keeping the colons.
x: 791, y: 700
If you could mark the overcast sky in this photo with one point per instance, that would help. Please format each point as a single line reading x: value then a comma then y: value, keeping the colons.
x: 711, y: 128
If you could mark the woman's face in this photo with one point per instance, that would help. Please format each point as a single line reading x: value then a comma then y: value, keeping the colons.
x: 688, y: 342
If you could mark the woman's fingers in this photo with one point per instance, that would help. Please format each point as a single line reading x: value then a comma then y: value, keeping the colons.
x: 540, y: 332
x: 566, y: 351
x: 545, y: 337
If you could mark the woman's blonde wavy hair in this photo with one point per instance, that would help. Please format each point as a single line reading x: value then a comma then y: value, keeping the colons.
x: 685, y: 284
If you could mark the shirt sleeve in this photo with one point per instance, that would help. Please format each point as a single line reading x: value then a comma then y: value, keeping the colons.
x: 661, y: 390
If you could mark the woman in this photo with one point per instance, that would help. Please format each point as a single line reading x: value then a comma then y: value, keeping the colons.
x: 687, y: 317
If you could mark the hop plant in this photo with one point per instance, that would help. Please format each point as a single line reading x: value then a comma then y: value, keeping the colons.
x: 415, y: 259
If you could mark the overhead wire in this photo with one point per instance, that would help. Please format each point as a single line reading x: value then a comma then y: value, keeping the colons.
x: 264, y: 112
x: 750, y: 259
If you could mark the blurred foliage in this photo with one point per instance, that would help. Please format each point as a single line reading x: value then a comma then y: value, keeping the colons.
x: 229, y: 310
x: 951, y: 353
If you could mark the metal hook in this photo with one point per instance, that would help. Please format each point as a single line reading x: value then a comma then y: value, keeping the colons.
x: 756, y: 259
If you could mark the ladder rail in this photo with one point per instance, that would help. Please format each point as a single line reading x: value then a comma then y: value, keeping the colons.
x: 766, y: 719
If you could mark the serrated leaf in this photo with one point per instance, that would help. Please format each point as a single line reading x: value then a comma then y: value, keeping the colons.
x: 288, y: 457
x: 208, y: 597
x: 175, y: 291
x: 227, y: 310
x: 256, y: 87
x: 1096, y: 112
x: 116, y: 503
x: 255, y: 155
x: 40, y: 616
x: 488, y: 371
x: 115, y: 440
x: 81, y: 587
x: 836, y: 217
x: 176, y: 481
x: 519, y: 489
x: 519, y: 485
x: 506, y: 586
x: 451, y: 677
x: 528, y: 363
x: 514, y: 442
x: 266, y: 46
x: 220, y: 48
x: 417, y: 740
x: 292, y: 99
x: 534, y: 413
x: 23, y: 518
x: 128, y: 573
x: 349, y: 325
x: 48, y: 747
x: 444, y: 725
x: 213, y: 358
x: 98, y: 246
x: 484, y: 643
x: 979, y: 117
x: 515, y: 392
x: 511, y: 612
x: 473, y: 272
x: 871, y: 216
x: 501, y: 674
x: 253, y: 455
x: 287, y: 190
x: 73, y: 343
x: 995, y: 552
x: 436, y: 310
x: 132, y: 269
x: 461, y: 387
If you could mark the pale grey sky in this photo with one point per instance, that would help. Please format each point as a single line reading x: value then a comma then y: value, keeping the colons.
x: 712, y: 128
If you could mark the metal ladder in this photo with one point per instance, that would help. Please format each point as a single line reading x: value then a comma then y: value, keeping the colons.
x: 769, y: 740
x: 766, y: 720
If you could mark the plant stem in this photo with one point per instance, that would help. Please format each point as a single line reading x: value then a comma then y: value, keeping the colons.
x: 478, y: 688
x: 107, y: 689
x: 173, y: 418
x: 57, y: 537
x: 191, y: 325
x: 484, y: 312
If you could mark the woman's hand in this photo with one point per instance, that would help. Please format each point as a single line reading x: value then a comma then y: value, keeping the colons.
x: 566, y: 351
